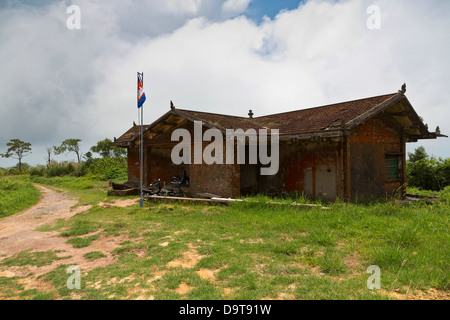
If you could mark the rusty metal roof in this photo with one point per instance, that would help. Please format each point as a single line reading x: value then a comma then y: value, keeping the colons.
x: 320, y: 118
x: 220, y: 121
x: 337, y: 116
x: 125, y: 139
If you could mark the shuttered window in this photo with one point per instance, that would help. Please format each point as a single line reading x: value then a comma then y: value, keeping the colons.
x: 393, y: 165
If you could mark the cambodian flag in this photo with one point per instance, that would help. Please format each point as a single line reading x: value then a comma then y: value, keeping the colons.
x: 141, y: 93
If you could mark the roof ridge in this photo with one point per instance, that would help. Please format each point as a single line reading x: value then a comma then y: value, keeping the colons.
x: 274, y: 114
x: 327, y: 105
x: 212, y: 113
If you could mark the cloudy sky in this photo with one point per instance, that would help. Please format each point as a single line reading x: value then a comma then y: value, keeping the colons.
x: 213, y: 56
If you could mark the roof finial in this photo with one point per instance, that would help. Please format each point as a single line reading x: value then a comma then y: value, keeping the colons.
x: 438, y: 130
x: 134, y: 124
x: 403, y: 88
x: 172, y: 107
x: 250, y: 114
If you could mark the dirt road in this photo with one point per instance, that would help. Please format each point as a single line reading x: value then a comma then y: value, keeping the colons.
x: 18, y: 233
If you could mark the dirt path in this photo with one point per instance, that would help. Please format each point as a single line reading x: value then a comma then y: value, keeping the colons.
x: 18, y: 233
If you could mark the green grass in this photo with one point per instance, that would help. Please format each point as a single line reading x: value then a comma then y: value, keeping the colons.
x: 31, y: 258
x: 93, y: 255
x: 16, y: 194
x: 254, y: 249
x: 82, y: 242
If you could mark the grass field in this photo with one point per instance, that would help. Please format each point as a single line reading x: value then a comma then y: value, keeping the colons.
x: 16, y: 194
x: 249, y: 250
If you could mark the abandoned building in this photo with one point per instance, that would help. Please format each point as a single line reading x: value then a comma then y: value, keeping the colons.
x: 351, y: 150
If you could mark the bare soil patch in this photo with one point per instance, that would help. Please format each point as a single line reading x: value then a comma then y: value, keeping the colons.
x: 430, y: 294
x: 183, y: 288
x: 188, y: 259
x: 207, y: 274
x: 18, y: 233
x: 121, y: 203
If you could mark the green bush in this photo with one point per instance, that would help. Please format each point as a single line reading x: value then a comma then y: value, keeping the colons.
x: 96, y: 169
x: 14, y: 171
x: 107, y: 168
x: 427, y: 173
x: 445, y: 195
x: 61, y: 169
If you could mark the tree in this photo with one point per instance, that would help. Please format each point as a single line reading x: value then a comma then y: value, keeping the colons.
x: 69, y: 145
x: 88, y: 156
x: 88, y: 160
x: 105, y: 149
x: 17, y: 150
x: 48, y: 157
x: 418, y: 154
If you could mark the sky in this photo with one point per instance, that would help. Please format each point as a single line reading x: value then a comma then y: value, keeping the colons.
x: 222, y: 56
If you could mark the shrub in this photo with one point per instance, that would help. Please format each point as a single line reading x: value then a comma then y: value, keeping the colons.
x: 61, y: 169
x: 37, y: 171
x: 427, y: 173
x: 13, y: 171
x: 107, y: 168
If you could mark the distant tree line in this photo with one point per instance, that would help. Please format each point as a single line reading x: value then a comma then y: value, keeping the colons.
x: 111, y: 164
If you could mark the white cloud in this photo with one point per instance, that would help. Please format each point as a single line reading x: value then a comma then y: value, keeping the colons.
x: 182, y: 6
x: 235, y: 6
x: 60, y: 84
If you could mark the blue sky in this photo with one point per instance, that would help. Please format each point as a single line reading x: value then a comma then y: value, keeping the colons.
x: 257, y: 9
x: 212, y: 56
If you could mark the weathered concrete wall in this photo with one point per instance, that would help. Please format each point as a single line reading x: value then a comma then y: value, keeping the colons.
x: 369, y: 143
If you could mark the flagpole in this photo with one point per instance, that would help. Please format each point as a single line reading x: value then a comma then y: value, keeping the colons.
x: 141, y: 202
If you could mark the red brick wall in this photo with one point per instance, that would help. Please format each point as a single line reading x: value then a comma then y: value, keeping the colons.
x: 222, y: 180
x: 312, y: 168
x: 369, y: 143
x: 133, y: 166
